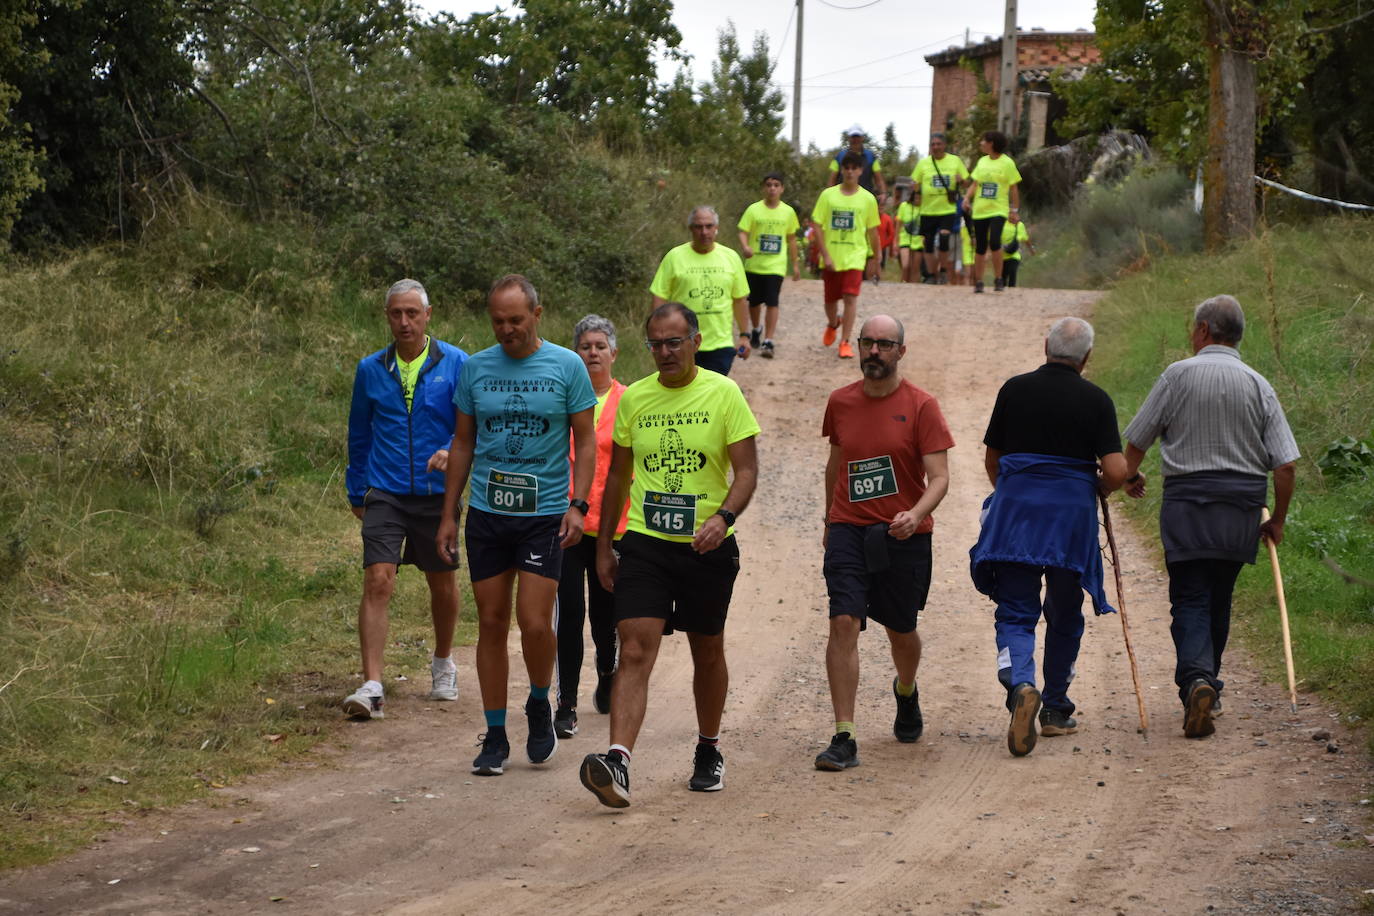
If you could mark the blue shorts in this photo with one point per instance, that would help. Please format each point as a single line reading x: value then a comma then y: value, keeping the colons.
x: 498, y: 543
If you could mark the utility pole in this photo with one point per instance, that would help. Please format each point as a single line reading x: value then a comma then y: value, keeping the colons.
x: 796, y: 89
x: 1006, y: 87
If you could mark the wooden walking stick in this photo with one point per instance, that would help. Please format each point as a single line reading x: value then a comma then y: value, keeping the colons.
x: 1121, y: 609
x: 1283, y: 617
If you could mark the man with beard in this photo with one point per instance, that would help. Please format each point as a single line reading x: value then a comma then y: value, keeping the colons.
x: 887, y: 471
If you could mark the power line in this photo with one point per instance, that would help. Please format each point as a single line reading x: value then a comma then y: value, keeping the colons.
x: 861, y: 6
x: 876, y: 84
x: 782, y: 41
x: 883, y: 59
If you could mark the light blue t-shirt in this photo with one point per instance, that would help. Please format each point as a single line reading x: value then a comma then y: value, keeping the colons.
x: 521, y: 409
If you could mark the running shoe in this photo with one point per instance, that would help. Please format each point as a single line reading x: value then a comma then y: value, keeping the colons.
x: 1056, y: 722
x: 846, y: 351
x: 608, y: 778
x: 565, y: 722
x: 978, y: 287
x: 998, y: 285
x: 831, y: 332
x: 909, y: 722
x: 542, y: 740
x: 443, y: 676
x: 708, y: 769
x: 766, y: 349
x: 365, y: 704
x: 601, y: 699
x: 754, y: 338
x: 1024, y: 705
x: 842, y: 754
x: 495, y: 749
x: 1197, y: 719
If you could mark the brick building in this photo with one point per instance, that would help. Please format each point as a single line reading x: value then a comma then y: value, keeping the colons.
x: 1038, y: 55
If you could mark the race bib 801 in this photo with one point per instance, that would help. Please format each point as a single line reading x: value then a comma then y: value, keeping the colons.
x: 512, y: 494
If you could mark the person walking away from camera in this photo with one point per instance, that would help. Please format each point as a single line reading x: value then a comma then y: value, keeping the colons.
x: 993, y: 200
x: 887, y: 471
x: 580, y: 595
x: 1015, y: 237
x: 709, y: 278
x: 1221, y: 433
x: 516, y: 402
x: 846, y: 231
x: 938, y: 179
x: 768, y: 239
x: 1052, y: 445
x: 688, y: 437
x: 399, y: 424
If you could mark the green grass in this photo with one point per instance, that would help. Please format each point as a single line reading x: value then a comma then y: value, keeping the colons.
x: 1310, y: 331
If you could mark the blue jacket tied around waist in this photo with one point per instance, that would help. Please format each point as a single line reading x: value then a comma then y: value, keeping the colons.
x: 388, y: 446
x: 1042, y: 513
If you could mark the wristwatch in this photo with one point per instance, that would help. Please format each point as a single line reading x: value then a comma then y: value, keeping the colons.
x: 581, y: 505
x: 727, y: 515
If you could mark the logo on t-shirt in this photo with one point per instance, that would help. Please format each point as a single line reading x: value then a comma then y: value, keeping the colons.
x: 675, y: 459
x: 517, y: 423
x: 706, y: 292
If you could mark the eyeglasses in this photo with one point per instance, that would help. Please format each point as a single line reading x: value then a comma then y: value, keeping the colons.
x: 702, y: 226
x: 884, y: 346
x: 671, y: 344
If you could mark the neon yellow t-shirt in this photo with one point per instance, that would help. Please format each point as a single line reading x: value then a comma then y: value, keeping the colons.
x: 768, y: 231
x: 845, y: 219
x: 935, y: 177
x: 681, y: 439
x: 992, y: 181
x: 410, y: 372
x: 1011, y: 234
x: 908, y: 215
x: 708, y: 284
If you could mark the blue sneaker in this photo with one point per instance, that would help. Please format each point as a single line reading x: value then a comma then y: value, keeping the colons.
x: 495, y: 749
x: 542, y: 740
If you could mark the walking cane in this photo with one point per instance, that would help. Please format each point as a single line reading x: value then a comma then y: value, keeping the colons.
x: 1121, y: 609
x: 1283, y: 617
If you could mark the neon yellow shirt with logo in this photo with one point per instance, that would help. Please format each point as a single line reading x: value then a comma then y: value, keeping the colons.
x: 935, y: 177
x: 769, y: 230
x: 410, y: 372
x: 992, y: 181
x: 846, y: 219
x: 708, y: 284
x: 681, y: 439
x: 1016, y: 233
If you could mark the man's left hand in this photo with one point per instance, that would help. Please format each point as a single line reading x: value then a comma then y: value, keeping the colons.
x: 438, y: 461
x: 570, y: 531
x: 710, y: 535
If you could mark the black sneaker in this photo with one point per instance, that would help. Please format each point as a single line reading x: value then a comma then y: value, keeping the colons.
x: 766, y: 349
x: 1056, y: 722
x: 542, y: 740
x: 909, y: 723
x: 1197, y: 718
x: 842, y: 754
x: 608, y: 778
x: 601, y: 699
x: 998, y: 285
x: 978, y: 287
x: 754, y: 336
x: 565, y: 722
x: 495, y: 749
x: 708, y: 769
x: 1024, y: 704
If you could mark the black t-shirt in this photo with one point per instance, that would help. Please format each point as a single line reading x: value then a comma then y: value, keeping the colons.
x: 1053, y: 411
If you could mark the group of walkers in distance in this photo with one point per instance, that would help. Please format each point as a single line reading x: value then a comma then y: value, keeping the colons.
x: 589, y: 499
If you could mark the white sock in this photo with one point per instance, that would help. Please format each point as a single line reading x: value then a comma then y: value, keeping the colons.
x: 371, y: 687
x: 444, y: 663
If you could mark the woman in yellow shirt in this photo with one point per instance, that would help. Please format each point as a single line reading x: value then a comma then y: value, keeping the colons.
x: 993, y: 200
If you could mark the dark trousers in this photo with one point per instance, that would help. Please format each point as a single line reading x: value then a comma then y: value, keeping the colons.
x: 1009, y: 269
x: 1018, y: 611
x: 575, y: 605
x: 1200, y: 602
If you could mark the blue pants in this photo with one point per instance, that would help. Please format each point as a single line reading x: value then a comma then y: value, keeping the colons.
x: 1200, y: 602
x: 1018, y: 611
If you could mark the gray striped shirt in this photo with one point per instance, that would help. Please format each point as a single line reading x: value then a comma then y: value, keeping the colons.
x: 1214, y: 413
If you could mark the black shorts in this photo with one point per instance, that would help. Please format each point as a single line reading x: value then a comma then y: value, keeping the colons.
x: 891, y: 596
x: 764, y: 289
x: 987, y: 234
x: 933, y: 226
x: 671, y: 581
x: 717, y: 360
x: 401, y: 529
x: 498, y: 543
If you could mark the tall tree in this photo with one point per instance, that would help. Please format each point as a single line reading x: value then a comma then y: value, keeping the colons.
x: 743, y: 81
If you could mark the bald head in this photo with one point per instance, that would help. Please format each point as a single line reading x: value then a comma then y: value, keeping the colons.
x: 883, y: 327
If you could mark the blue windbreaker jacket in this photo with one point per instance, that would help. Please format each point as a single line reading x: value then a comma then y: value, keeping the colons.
x: 388, y: 446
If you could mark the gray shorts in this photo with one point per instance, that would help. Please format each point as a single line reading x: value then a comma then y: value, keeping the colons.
x: 402, y: 529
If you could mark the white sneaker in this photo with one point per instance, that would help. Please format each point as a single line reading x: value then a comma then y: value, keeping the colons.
x: 365, y: 704
x: 444, y: 676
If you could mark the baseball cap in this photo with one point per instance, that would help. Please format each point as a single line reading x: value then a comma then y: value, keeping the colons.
x: 855, y: 129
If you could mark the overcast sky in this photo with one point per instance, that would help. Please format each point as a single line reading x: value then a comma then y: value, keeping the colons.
x: 862, y: 60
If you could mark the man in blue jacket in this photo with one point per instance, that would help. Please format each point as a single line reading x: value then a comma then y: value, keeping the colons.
x: 1049, y: 430
x: 399, y: 428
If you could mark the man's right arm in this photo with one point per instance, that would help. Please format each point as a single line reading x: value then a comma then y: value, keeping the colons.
x: 359, y: 443
x: 613, y: 496
x: 1285, y: 477
x: 832, y: 473
x: 460, y: 455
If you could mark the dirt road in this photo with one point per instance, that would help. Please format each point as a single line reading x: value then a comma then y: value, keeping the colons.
x: 1258, y: 819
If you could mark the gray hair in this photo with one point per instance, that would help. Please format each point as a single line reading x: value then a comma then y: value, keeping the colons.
x: 1069, y: 339
x: 700, y: 208
x: 517, y: 280
x: 1224, y: 319
x: 405, y: 286
x: 593, y: 324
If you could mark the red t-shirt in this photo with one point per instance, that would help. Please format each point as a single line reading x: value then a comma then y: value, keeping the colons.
x: 882, y: 441
x: 887, y: 230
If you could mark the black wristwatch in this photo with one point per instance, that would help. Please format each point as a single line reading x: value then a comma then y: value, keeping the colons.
x: 581, y: 505
x: 727, y: 515
x: 1133, y: 478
